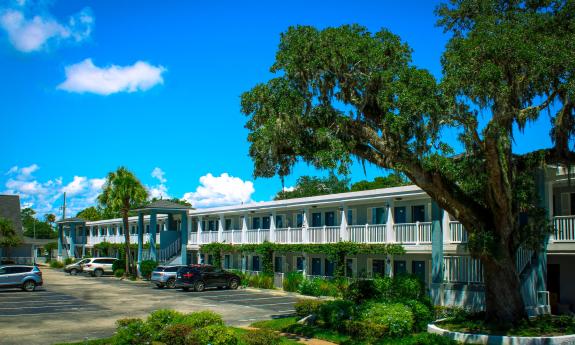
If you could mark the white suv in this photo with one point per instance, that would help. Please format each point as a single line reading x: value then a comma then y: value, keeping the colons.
x: 97, y: 267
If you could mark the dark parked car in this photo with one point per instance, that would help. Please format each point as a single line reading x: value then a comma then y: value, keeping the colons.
x: 200, y: 277
x: 20, y: 276
x: 165, y: 276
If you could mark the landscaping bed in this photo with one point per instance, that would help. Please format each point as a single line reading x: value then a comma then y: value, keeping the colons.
x: 168, y: 327
x: 542, y: 326
x: 379, y: 311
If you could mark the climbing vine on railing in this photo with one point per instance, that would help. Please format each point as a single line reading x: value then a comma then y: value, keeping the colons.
x: 334, y: 251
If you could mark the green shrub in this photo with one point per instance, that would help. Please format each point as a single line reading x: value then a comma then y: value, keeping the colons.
x: 212, y: 335
x: 134, y: 332
x: 407, y: 286
x: 146, y: 268
x: 305, y: 307
x: 397, y: 318
x: 126, y: 321
x: 202, y: 319
x: 119, y: 273
x: 56, y: 264
x: 262, y: 337
x: 422, y: 315
x: 361, y: 291
x: 262, y: 281
x: 119, y: 264
x: 310, y: 287
x: 175, y: 334
x: 333, y: 313
x: 68, y: 261
x: 364, y: 329
x: 292, y: 281
x: 161, y: 318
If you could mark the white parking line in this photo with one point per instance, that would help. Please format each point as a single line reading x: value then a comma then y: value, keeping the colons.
x: 251, y: 299
x: 43, y: 306
x: 261, y: 305
x: 53, y: 313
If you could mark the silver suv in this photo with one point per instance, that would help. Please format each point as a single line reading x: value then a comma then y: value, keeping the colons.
x: 20, y: 276
x: 97, y: 267
x: 165, y: 276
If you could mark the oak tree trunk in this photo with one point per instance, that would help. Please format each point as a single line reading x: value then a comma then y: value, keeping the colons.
x: 503, y: 301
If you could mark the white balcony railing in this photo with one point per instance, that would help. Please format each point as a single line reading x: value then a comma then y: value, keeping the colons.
x: 462, y: 269
x: 374, y: 233
x: 324, y: 234
x: 413, y: 233
x: 457, y: 234
x: 564, y: 228
x: 209, y: 236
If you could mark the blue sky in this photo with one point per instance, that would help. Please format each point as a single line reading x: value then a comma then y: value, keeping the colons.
x: 88, y: 86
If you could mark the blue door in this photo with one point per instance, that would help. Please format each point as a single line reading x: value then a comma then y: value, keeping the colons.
x: 399, y: 215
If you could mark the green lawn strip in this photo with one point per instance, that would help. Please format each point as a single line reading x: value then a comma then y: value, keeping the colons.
x: 105, y: 341
x: 290, y: 325
x: 240, y: 332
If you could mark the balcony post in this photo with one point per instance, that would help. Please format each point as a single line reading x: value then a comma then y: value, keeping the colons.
x: 343, y: 233
x: 365, y: 234
x: 221, y: 228
x: 244, y: 229
x: 389, y: 230
x: 446, y: 224
x: 305, y: 226
x: 184, y: 238
x: 273, y: 226
x: 199, y: 234
x: 323, y: 235
x: 417, y: 233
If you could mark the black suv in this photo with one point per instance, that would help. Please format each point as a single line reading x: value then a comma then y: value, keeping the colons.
x: 199, y: 277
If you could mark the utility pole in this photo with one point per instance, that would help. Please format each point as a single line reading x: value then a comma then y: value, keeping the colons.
x: 64, y: 207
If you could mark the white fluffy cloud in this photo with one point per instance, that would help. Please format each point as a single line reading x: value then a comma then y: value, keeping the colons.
x: 87, y: 77
x: 160, y: 190
x: 46, y: 197
x: 220, y: 190
x: 29, y: 32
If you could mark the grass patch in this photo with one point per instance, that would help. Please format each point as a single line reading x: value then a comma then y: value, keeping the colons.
x: 240, y: 332
x: 106, y: 341
x: 290, y: 325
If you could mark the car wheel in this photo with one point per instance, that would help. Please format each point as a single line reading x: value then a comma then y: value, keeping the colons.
x: 73, y: 272
x: 160, y: 286
x: 171, y: 283
x: 29, y: 286
x: 186, y: 289
x: 233, y: 284
x: 98, y: 273
x: 200, y: 286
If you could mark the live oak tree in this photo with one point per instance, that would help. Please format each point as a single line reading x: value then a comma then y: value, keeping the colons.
x: 312, y: 186
x: 121, y: 192
x: 343, y: 93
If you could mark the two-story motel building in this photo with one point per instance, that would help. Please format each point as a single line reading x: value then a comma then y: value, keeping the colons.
x: 435, y: 243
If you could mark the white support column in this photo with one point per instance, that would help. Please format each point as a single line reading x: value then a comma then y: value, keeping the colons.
x: 244, y: 227
x: 446, y: 228
x: 417, y: 239
x: 200, y: 219
x: 389, y: 230
x: 343, y: 233
x: 221, y: 228
x: 273, y: 226
x: 305, y: 226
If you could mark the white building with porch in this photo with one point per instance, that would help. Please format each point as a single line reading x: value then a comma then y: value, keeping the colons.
x: 434, y: 242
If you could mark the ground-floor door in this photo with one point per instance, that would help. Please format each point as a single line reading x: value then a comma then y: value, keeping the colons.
x: 418, y: 269
x: 553, y: 285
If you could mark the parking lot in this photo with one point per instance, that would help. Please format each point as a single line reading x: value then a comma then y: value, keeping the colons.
x: 73, y: 308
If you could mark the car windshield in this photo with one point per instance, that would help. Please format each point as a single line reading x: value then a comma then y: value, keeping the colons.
x: 85, y: 261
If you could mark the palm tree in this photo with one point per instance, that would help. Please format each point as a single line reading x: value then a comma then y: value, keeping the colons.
x: 121, y: 192
x: 50, y: 218
x: 8, y: 236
